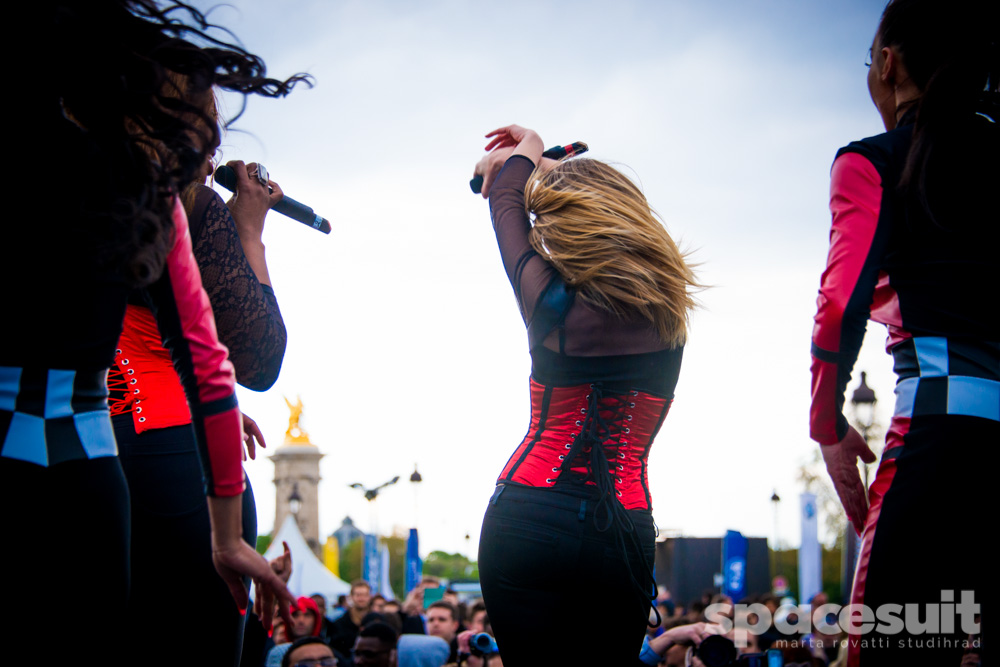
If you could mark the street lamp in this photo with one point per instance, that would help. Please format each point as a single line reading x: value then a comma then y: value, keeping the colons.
x: 370, y: 496
x: 295, y: 502
x: 415, y: 480
x: 775, y: 499
x: 863, y: 404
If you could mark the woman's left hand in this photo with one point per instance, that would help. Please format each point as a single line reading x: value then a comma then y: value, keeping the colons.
x: 490, y: 165
x: 842, y: 463
x: 234, y: 558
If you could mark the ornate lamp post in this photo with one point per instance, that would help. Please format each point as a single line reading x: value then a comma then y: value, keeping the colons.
x: 295, y: 503
x: 415, y: 480
x: 775, y: 499
x: 863, y: 403
x: 370, y: 496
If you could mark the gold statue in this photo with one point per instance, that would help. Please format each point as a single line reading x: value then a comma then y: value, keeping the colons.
x: 295, y: 433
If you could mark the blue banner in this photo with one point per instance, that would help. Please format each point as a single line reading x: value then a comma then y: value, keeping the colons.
x: 810, y: 555
x: 734, y: 565
x: 373, y: 568
x: 414, y: 566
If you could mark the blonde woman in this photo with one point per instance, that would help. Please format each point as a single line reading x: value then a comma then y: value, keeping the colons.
x: 605, y: 295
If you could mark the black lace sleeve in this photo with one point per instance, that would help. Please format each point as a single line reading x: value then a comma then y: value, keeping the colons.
x: 246, y: 312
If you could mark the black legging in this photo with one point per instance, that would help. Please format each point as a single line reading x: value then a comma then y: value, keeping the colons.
x: 172, y: 553
x: 931, y: 536
x: 544, y: 566
x: 65, y: 560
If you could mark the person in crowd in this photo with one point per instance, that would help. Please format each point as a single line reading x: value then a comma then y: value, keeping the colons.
x: 912, y: 246
x: 605, y: 295
x: 375, y: 646
x: 414, y: 650
x: 479, y: 620
x: 308, y: 652
x: 391, y: 616
x: 344, y: 631
x: 824, y: 639
x: 114, y: 227
x: 306, y: 619
x: 413, y: 606
x: 442, y: 621
x: 324, y: 630
x: 674, y: 645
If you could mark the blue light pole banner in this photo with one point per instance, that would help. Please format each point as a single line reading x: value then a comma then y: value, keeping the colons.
x: 372, y: 566
x: 734, y: 565
x: 810, y: 554
x: 414, y: 566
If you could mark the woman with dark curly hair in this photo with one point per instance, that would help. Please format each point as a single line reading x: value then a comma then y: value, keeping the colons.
x: 153, y: 427
x: 112, y: 223
x: 913, y: 246
x: 605, y: 294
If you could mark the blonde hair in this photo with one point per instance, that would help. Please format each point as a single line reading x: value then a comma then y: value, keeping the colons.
x: 597, y: 229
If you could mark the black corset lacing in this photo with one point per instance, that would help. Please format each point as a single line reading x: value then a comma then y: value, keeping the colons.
x: 600, y: 437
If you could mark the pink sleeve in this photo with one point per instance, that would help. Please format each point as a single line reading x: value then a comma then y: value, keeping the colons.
x: 846, y: 290
x: 184, y: 316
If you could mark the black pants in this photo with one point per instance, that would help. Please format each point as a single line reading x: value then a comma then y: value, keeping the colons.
x: 557, y: 590
x: 65, y: 560
x: 172, y: 551
x: 927, y: 532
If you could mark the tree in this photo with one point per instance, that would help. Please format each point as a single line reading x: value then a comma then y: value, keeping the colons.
x: 351, y: 567
x: 450, y: 566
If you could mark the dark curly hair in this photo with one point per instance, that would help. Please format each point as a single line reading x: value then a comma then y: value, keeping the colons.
x: 114, y: 94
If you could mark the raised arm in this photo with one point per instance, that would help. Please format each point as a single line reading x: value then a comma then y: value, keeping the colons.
x: 512, y: 155
x: 235, y: 277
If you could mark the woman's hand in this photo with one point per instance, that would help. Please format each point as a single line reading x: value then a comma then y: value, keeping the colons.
x: 842, y: 463
x: 489, y: 167
x: 263, y: 604
x: 505, y: 142
x: 234, y: 558
x: 249, y: 206
x: 251, y: 201
x: 511, y: 135
x: 251, y: 433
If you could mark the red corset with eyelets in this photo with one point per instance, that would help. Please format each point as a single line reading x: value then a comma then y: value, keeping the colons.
x: 566, y: 422
x: 143, y: 380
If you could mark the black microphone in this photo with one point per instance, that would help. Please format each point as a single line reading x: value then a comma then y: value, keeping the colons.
x: 226, y: 177
x: 555, y: 153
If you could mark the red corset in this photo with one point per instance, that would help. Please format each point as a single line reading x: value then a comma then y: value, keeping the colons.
x: 153, y: 393
x: 566, y: 423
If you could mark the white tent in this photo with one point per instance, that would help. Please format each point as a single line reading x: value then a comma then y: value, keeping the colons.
x: 309, y: 575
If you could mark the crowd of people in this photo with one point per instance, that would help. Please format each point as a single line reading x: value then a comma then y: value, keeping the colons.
x: 364, y: 629
x: 367, y: 630
x: 156, y: 293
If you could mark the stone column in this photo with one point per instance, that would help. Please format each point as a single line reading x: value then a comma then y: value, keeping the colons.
x: 296, y: 465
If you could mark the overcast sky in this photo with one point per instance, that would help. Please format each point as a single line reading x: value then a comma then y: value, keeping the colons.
x: 405, y: 342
